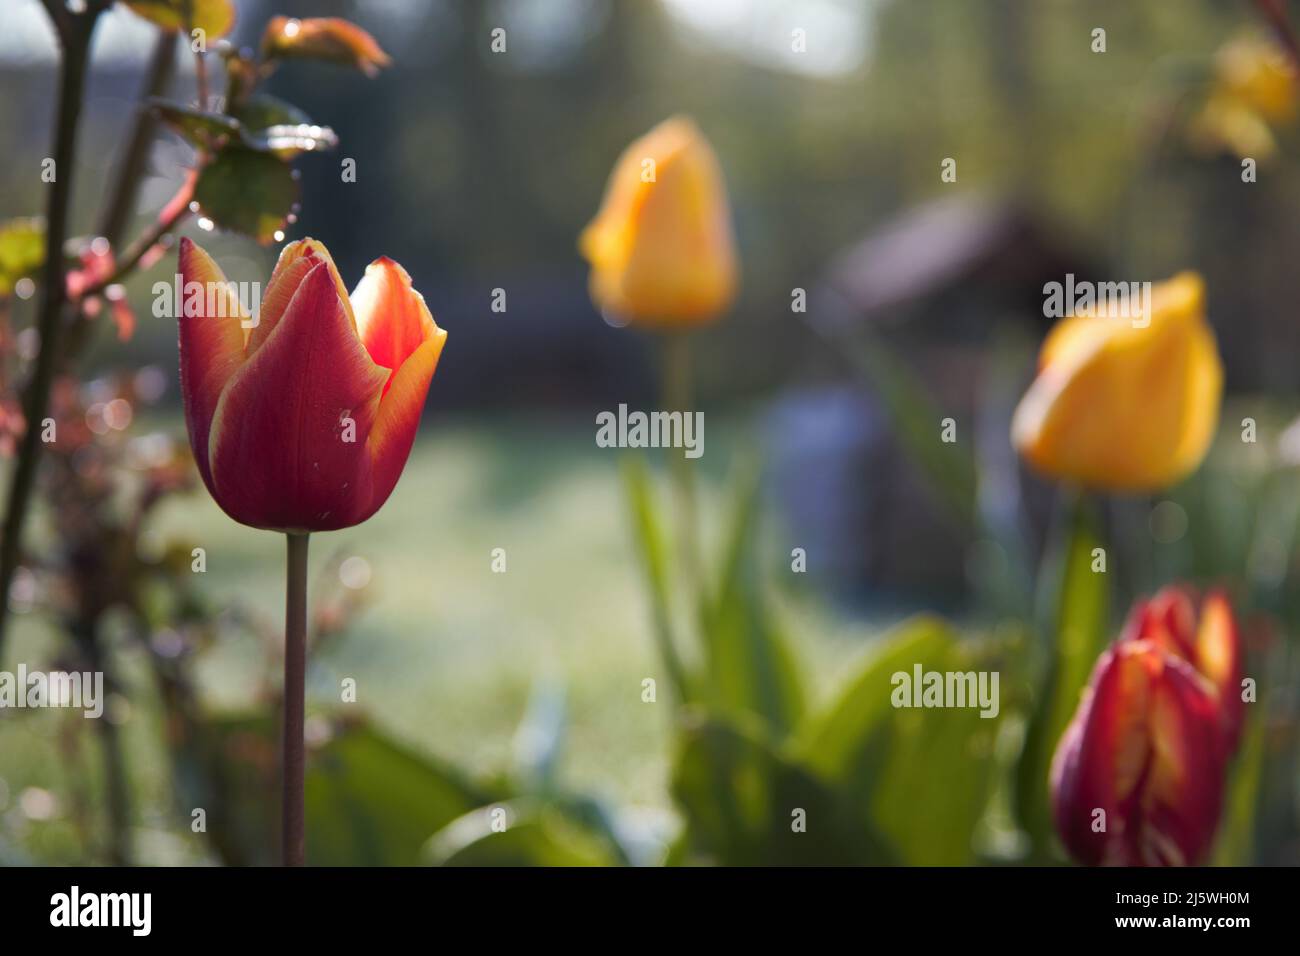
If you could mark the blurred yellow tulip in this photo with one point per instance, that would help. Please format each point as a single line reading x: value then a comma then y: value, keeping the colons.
x: 661, y: 247
x: 1125, y: 405
x: 1259, y: 75
x: 1254, y: 93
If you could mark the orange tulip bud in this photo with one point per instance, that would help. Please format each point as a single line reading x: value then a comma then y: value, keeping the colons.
x: 661, y: 248
x: 304, y: 421
x: 1121, y: 404
x: 1138, y: 776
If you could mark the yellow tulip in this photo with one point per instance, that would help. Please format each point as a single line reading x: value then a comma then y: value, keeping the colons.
x: 1254, y: 93
x: 1125, y: 405
x: 1258, y: 74
x: 661, y: 247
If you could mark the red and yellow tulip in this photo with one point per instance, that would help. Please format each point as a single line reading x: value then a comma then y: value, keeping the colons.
x: 1138, y: 776
x: 303, y: 421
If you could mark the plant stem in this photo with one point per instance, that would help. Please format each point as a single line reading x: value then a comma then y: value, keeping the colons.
x: 676, y: 395
x: 126, y: 181
x: 1274, y: 11
x: 74, y: 35
x: 177, y: 208
x: 295, y: 691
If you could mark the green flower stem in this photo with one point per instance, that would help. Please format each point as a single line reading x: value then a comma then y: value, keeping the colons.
x: 293, y: 842
x: 676, y: 395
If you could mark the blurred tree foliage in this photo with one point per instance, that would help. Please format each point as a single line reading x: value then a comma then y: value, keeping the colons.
x: 480, y: 169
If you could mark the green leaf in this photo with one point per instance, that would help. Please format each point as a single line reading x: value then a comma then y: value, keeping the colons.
x: 518, y: 833
x: 920, y: 777
x: 263, y: 124
x: 22, y: 251
x: 748, y: 805
x: 751, y: 667
x: 213, y: 17
x: 371, y: 802
x: 288, y: 140
x: 262, y: 110
x: 273, y: 125
x: 1235, y: 843
x: 226, y: 763
x: 1078, y: 633
x: 200, y: 127
x: 831, y: 740
x: 539, y: 740
x: 649, y: 541
x: 248, y: 192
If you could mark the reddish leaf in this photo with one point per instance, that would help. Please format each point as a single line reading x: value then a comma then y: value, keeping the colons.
x: 323, y: 38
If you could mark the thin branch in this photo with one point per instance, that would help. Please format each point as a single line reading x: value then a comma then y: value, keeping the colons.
x: 126, y: 183
x: 75, y: 34
x: 1274, y: 11
x: 177, y: 208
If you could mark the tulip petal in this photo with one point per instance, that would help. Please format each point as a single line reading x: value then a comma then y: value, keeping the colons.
x: 1142, y: 748
x: 279, y: 447
x: 211, y: 344
x: 1218, y: 657
x: 296, y: 259
x: 392, y: 318
x: 393, y: 432
x: 289, y: 272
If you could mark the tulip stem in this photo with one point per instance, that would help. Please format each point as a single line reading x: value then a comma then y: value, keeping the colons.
x: 295, y: 692
x: 677, y: 397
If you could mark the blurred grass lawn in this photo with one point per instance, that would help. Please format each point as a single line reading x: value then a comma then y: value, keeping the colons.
x: 447, y: 651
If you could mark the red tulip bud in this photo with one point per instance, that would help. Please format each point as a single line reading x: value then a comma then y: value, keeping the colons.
x: 1137, y: 779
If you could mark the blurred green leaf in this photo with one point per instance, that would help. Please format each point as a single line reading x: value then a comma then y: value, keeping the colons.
x: 831, y: 739
x: 273, y: 125
x: 22, y: 251
x: 1235, y: 844
x: 263, y: 124
x: 287, y: 140
x: 921, y: 778
x: 248, y: 192
x: 539, y: 739
x: 371, y: 802
x: 518, y: 833
x: 226, y: 764
x: 748, y: 805
x: 751, y: 667
x: 1079, y: 632
x: 199, y: 127
x: 262, y: 110
x: 214, y: 17
x: 649, y: 540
